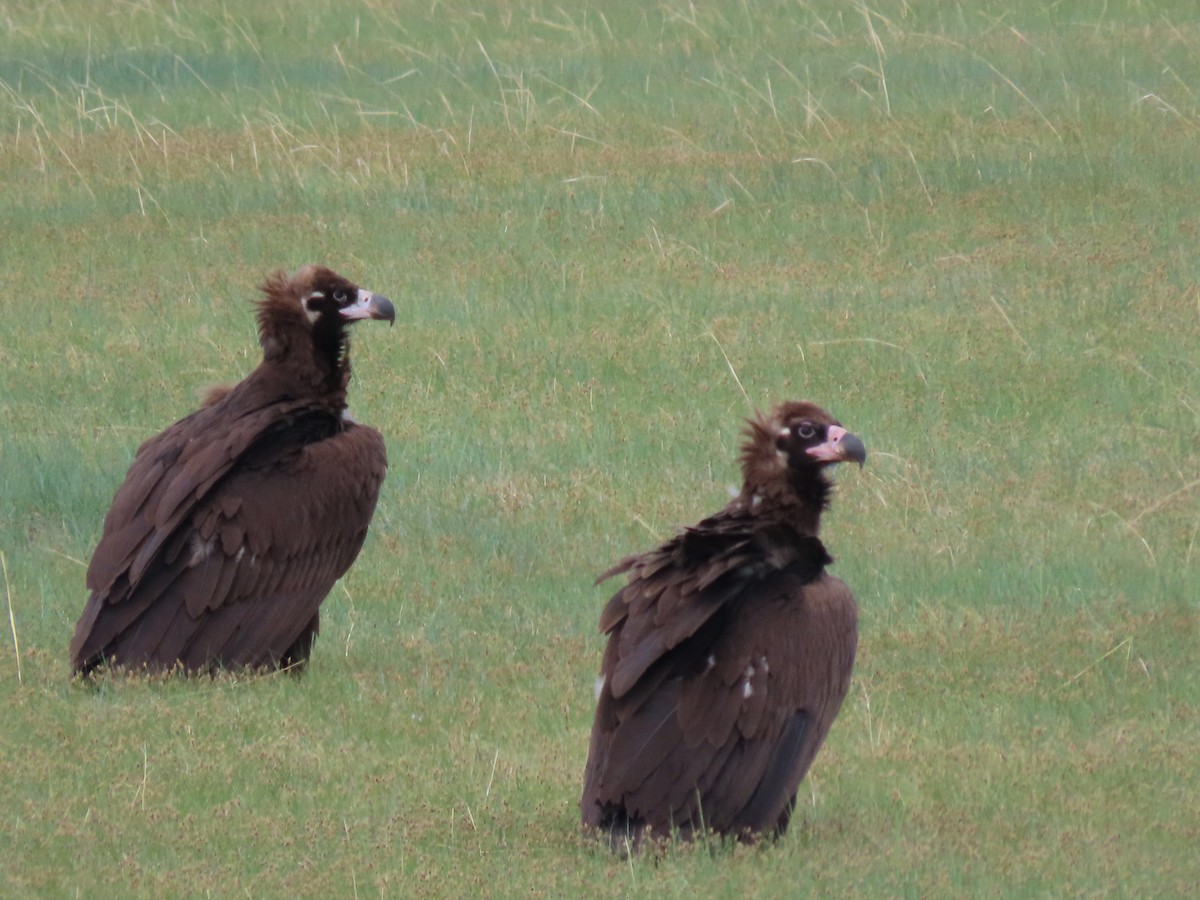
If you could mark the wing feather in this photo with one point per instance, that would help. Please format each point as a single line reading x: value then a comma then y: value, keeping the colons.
x: 235, y: 550
x: 783, y: 768
x: 184, y: 461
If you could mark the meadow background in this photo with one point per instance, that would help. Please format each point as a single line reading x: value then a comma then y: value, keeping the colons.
x: 612, y: 230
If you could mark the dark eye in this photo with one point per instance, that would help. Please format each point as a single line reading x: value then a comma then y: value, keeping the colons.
x: 805, y: 431
x: 339, y: 297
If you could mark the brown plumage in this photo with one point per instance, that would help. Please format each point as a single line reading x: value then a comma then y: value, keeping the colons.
x: 234, y: 523
x: 729, y: 652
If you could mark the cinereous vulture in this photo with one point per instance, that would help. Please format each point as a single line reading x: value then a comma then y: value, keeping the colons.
x: 233, y: 524
x: 729, y: 652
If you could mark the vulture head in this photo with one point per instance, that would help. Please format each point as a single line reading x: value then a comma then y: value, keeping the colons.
x: 787, y: 452
x: 302, y: 318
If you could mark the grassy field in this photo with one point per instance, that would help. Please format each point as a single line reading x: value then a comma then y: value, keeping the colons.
x: 611, y: 231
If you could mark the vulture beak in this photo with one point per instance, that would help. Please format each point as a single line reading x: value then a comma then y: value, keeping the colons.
x: 370, y: 306
x: 840, y: 446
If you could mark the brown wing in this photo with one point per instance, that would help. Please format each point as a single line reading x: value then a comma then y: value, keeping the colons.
x: 171, y: 473
x: 220, y: 547
x: 719, y: 685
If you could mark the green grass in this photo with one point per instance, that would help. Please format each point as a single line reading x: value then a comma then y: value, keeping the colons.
x: 610, y: 231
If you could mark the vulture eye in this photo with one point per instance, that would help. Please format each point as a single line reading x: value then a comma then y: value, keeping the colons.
x: 339, y: 297
x: 806, y: 431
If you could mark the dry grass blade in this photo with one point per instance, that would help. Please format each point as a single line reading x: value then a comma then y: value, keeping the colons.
x: 732, y: 371
x: 1125, y: 643
x: 882, y: 343
x: 12, y: 619
x: 1163, y: 501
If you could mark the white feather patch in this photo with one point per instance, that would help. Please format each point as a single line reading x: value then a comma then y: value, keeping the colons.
x: 201, y: 550
x: 309, y: 311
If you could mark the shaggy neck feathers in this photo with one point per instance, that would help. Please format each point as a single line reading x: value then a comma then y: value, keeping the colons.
x: 314, y: 353
x: 778, y: 488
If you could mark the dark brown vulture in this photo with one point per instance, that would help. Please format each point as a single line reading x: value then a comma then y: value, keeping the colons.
x: 729, y: 652
x: 234, y: 523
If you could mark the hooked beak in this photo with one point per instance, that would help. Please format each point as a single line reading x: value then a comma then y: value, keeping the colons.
x: 840, y: 446
x: 370, y: 306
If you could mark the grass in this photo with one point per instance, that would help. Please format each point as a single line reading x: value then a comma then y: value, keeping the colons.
x: 611, y: 231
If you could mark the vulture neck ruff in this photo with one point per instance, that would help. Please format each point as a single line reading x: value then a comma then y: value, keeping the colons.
x: 780, y: 487
x: 316, y: 352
